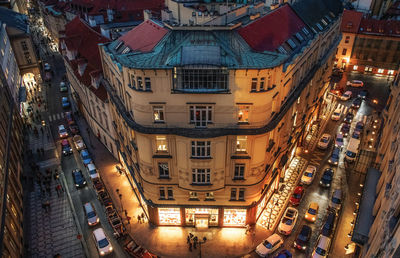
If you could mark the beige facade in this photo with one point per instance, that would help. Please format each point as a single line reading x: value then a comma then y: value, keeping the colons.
x: 345, y: 49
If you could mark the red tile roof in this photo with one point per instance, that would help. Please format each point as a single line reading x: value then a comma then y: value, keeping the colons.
x: 351, y: 21
x: 144, y: 37
x: 82, y: 38
x: 380, y: 27
x: 269, y: 32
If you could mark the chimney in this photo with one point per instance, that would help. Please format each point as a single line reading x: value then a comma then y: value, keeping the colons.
x: 146, y: 15
x: 81, y: 66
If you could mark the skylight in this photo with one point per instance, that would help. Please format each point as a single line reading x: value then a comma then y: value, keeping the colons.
x: 299, y: 37
x: 291, y: 43
x: 119, y: 45
x: 319, y: 26
x: 126, y: 50
x: 305, y: 31
x: 324, y: 22
x: 282, y: 50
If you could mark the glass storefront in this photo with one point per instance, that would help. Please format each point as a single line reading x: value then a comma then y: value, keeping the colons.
x: 201, y: 217
x: 169, y: 216
x: 234, y: 217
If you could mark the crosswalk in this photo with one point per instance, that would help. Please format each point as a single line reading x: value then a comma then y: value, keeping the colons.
x: 55, y: 117
x: 48, y: 163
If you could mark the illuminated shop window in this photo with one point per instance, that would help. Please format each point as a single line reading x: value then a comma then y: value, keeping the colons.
x: 198, y: 215
x: 243, y: 114
x: 355, y: 67
x: 161, y: 141
x: 381, y: 70
x: 169, y: 216
x: 241, y: 143
x: 234, y: 217
x: 391, y: 72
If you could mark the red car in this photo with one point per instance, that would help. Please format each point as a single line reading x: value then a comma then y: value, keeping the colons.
x: 297, y: 195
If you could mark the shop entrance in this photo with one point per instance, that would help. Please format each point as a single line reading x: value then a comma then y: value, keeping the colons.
x: 202, y: 220
x: 201, y: 217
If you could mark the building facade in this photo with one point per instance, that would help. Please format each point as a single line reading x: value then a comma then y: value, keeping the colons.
x: 206, y: 117
x: 82, y: 61
x: 369, y: 45
x: 11, y: 233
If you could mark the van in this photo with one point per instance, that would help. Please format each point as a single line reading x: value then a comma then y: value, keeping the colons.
x: 322, y: 248
x: 102, y: 243
x: 90, y: 213
x: 336, y: 200
x: 92, y: 171
x: 352, y: 149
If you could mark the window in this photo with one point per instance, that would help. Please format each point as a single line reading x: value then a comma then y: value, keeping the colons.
x: 193, y: 196
x: 158, y: 114
x: 161, y: 143
x: 324, y: 22
x: 140, y: 83
x: 205, y: 80
x: 239, y: 171
x: 254, y: 84
x: 147, y: 83
x: 381, y: 70
x: 163, y: 170
x: 262, y: 84
x: 344, y: 51
x: 201, y: 149
x: 210, y: 196
x: 162, y: 193
x: 305, y: 31
x: 241, y: 143
x: 201, y: 115
x: 355, y: 67
x: 282, y: 50
x: 133, y: 81
x: 241, y: 194
x: 243, y: 114
x: 319, y: 26
x: 24, y: 46
x: 201, y: 176
x: 291, y: 43
x: 391, y: 72
x: 299, y: 37
x: 233, y: 193
x: 347, y: 39
x: 170, y: 193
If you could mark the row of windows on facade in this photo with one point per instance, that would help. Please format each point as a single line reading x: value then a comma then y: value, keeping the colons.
x: 237, y: 194
x: 202, y: 149
x: 136, y: 83
x: 201, y: 175
x: 201, y: 115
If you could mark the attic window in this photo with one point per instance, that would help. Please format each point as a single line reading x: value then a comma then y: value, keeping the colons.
x: 328, y: 18
x: 291, y: 43
x: 282, y: 50
x: 319, y: 26
x: 349, y: 25
x: 299, y: 37
x: 126, y: 50
x: 324, y: 22
x: 118, y: 45
x: 305, y: 31
x: 369, y: 29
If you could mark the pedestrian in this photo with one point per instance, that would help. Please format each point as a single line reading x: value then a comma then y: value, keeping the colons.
x: 142, y: 217
x: 190, y: 246
x: 188, y: 239
x: 191, y: 235
x: 195, y: 243
x: 247, y: 229
x: 138, y: 218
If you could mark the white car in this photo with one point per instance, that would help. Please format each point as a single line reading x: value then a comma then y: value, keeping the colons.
x: 339, y: 140
x: 269, y: 245
x: 336, y: 114
x: 324, y: 141
x: 347, y: 95
x: 288, y: 221
x: 62, y: 132
x: 355, y: 83
x: 308, y: 175
x: 102, y: 243
x: 78, y: 142
x: 322, y: 248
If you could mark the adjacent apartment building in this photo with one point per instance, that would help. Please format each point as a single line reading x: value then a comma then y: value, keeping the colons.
x: 11, y: 144
x: 369, y: 45
x: 207, y: 115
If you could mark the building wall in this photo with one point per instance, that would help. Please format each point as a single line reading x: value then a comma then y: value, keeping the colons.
x: 345, y: 49
x: 54, y: 25
x: 384, y: 234
x: 11, y: 143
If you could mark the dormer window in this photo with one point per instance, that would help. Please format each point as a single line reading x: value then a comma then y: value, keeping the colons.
x: 282, y: 50
x: 319, y: 26
x: 299, y: 37
x: 324, y: 22
x: 291, y: 43
x: 305, y: 31
x: 349, y: 25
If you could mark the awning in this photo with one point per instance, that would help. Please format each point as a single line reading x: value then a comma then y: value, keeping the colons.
x: 22, y: 94
x: 365, y: 218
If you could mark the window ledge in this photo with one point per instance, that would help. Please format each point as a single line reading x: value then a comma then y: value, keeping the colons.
x: 201, y: 184
x: 201, y: 91
x: 138, y: 90
x: 201, y: 158
x: 159, y: 122
x: 240, y: 157
x: 209, y: 200
x: 162, y: 156
x: 238, y: 178
x: 164, y: 177
x: 243, y: 123
x: 194, y: 199
x: 234, y: 200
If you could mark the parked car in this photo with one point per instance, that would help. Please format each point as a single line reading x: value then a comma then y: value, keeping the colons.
x: 329, y: 225
x: 288, y: 221
x: 355, y: 83
x: 363, y: 94
x: 90, y: 213
x: 102, y: 243
x: 347, y: 95
x: 85, y: 157
x: 336, y: 200
x: 322, y: 248
x: 348, y: 118
x: 337, y: 72
x: 339, y: 140
x: 63, y: 87
x: 284, y: 254
x: 78, y: 177
x: 345, y: 129
x: 312, y: 212
x: 327, y: 177
x: 269, y: 245
x: 79, y: 144
x: 324, y: 141
x: 359, y: 126
x: 336, y: 114
x: 66, y: 148
x: 65, y: 102
x: 62, y: 132
x: 356, y: 103
x: 334, y: 158
x: 356, y: 134
x: 92, y: 171
x: 303, y: 238
x: 308, y: 175
x: 69, y: 118
x: 297, y: 195
x: 74, y: 129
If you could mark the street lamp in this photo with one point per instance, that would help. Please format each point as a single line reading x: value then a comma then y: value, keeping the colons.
x: 202, y: 242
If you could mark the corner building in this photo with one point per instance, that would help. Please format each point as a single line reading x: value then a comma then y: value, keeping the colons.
x: 207, y: 117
